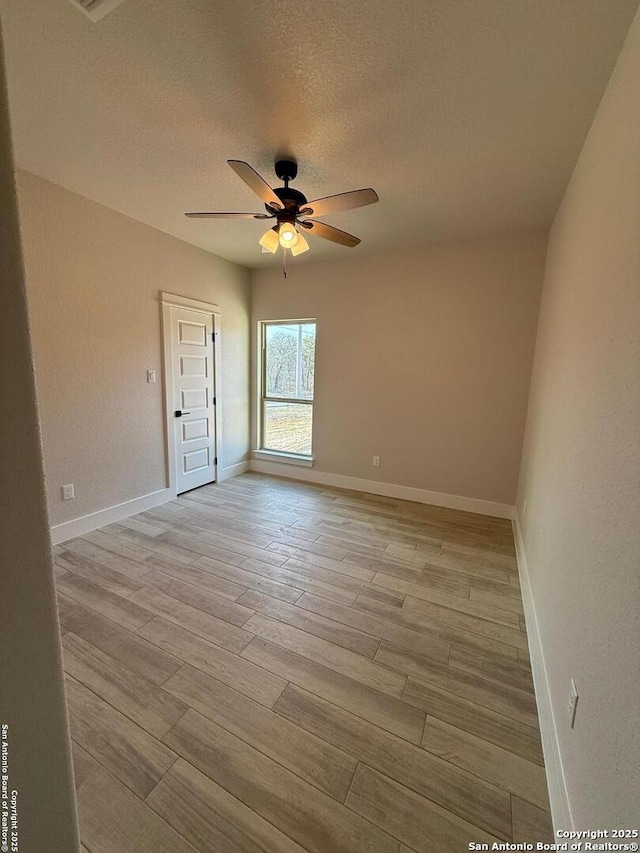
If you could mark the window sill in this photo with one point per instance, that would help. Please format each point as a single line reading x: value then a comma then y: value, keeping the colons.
x: 287, y: 458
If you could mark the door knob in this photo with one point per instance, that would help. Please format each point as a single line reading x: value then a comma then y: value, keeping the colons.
x: 179, y: 413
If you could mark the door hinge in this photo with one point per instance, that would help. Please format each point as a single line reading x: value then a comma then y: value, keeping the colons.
x: 215, y: 461
x: 213, y: 337
x: 214, y: 401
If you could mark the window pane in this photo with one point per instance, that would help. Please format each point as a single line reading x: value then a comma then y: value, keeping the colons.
x: 290, y: 360
x: 287, y: 426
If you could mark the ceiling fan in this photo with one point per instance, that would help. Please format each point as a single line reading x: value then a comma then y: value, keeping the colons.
x: 290, y: 209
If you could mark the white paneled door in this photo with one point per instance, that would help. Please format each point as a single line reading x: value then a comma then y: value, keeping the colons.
x: 193, y: 380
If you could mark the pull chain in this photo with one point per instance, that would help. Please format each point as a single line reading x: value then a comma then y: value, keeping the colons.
x: 284, y: 262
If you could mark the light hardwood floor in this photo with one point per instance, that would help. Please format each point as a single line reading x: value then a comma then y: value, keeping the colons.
x: 266, y: 665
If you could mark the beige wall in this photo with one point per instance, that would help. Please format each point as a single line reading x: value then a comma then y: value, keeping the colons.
x: 423, y: 358
x: 32, y: 700
x: 93, y: 277
x: 581, y: 464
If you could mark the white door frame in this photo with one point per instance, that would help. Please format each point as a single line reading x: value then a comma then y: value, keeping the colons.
x: 167, y: 302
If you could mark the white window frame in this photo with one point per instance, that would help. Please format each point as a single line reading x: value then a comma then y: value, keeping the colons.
x: 262, y: 452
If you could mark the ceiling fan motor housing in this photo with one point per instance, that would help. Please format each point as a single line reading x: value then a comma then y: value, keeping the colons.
x: 292, y: 200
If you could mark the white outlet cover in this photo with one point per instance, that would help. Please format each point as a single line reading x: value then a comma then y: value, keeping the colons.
x: 68, y: 492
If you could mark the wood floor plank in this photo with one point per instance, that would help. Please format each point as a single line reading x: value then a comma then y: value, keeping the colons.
x: 217, y: 546
x: 313, y: 623
x: 197, y: 621
x: 407, y: 816
x: 454, y: 630
x: 127, y: 648
x: 370, y: 549
x: 323, y: 765
x: 379, y: 708
x: 124, y: 563
x: 485, y: 554
x: 341, y: 580
x: 142, y: 526
x: 408, y: 553
x: 442, y: 580
x: 208, y: 523
x: 495, y: 667
x: 438, y: 614
x: 430, y: 645
x: 127, y: 613
x: 155, y: 545
x: 499, y: 600
x: 422, y: 592
x: 507, y: 700
x: 311, y: 818
x: 306, y: 576
x: 113, y: 819
x: 135, y: 757
x: 107, y: 541
x: 408, y: 570
x: 485, y: 759
x: 517, y: 737
x: 459, y: 791
x: 197, y: 576
x: 209, y: 545
x: 210, y: 818
x: 312, y: 549
x: 240, y: 673
x: 140, y: 700
x: 530, y: 823
x: 211, y: 603
x: 466, y: 567
x: 341, y: 660
x: 84, y: 765
x: 66, y: 606
x: 507, y: 589
x: 377, y: 596
x: 102, y: 575
x: 332, y: 562
x: 250, y: 579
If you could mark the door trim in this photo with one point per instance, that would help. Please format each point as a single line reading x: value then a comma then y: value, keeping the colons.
x: 167, y: 302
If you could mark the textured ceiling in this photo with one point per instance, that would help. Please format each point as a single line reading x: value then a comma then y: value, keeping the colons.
x: 467, y: 116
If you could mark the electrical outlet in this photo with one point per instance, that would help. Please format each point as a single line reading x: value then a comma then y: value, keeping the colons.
x: 68, y: 492
x: 151, y: 376
x: 572, y: 704
x: 376, y: 461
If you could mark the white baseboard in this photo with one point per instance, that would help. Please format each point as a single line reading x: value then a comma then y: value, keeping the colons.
x: 389, y: 490
x: 558, y: 795
x: 232, y: 471
x: 87, y: 523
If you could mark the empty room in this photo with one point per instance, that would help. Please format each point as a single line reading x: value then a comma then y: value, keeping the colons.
x: 319, y: 480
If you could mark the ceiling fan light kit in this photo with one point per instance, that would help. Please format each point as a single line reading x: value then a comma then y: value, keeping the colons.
x: 290, y: 209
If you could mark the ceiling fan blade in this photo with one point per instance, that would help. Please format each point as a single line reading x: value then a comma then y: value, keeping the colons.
x: 207, y: 215
x: 341, y: 201
x: 255, y: 182
x: 328, y: 232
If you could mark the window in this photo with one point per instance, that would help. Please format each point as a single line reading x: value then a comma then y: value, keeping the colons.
x: 288, y: 367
